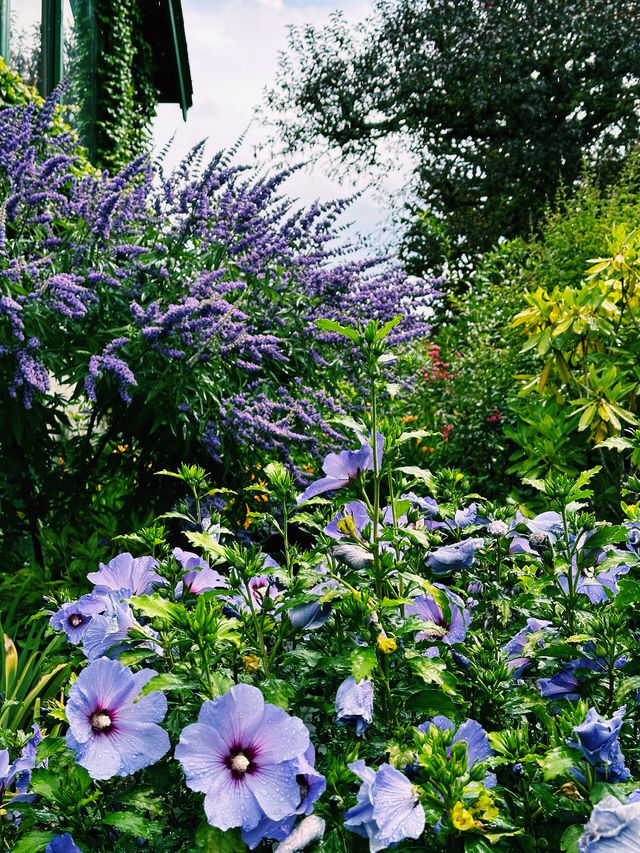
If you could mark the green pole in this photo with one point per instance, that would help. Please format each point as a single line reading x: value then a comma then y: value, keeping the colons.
x: 5, y: 28
x: 52, y: 46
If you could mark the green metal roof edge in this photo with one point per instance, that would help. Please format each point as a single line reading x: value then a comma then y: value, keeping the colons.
x: 185, y: 97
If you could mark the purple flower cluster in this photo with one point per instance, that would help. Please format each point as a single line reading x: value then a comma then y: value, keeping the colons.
x: 102, y: 253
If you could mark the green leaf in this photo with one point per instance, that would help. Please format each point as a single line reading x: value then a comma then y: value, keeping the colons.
x: 604, y: 789
x: 332, y: 326
x: 159, y: 608
x: 48, y: 746
x: 33, y: 842
x: 557, y: 762
x: 388, y: 326
x: 628, y: 593
x: 569, y: 840
x: 213, y: 840
x: 363, y: 662
x: 207, y: 542
x: 167, y: 681
x: 278, y: 692
x: 133, y: 824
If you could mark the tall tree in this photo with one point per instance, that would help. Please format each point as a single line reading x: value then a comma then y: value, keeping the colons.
x: 497, y: 102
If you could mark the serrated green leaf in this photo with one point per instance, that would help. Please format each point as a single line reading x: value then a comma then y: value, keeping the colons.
x: 363, y: 662
x: 33, y: 842
x: 133, y: 824
x: 167, y: 681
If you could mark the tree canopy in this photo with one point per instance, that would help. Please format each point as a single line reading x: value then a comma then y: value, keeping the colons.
x: 497, y: 103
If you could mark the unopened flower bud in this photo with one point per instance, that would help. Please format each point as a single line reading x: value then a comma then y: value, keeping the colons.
x: 251, y: 663
x: 475, y: 588
x: 539, y: 542
x: 497, y: 528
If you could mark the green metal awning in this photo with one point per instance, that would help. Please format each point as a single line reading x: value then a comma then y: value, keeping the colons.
x: 163, y: 29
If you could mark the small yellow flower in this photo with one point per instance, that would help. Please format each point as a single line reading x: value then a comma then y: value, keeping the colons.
x: 484, y: 808
x: 387, y: 645
x: 461, y: 818
x: 251, y: 663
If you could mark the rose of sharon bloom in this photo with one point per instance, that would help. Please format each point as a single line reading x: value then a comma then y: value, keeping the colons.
x: 458, y: 555
x: 388, y: 808
x: 125, y: 572
x: 597, y: 739
x: 73, y: 618
x: 112, y: 729
x: 613, y: 827
x: 342, y: 467
x: 594, y: 584
x: 354, y: 703
x: 447, y: 629
x: 243, y: 754
x: 311, y: 785
x: 108, y: 632
x: 62, y: 844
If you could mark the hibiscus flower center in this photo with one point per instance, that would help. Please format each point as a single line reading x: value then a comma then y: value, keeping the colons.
x: 75, y: 620
x: 100, y: 722
x: 240, y: 761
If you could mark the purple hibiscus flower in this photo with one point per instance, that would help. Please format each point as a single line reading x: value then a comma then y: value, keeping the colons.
x: 62, y: 844
x: 243, y: 754
x: 517, y: 664
x: 596, y: 586
x: 74, y: 617
x: 473, y: 735
x: 311, y: 785
x: 354, y: 703
x: 108, y: 632
x: 313, y: 615
x: 613, y: 827
x: 342, y: 467
x: 124, y: 572
x: 353, y: 516
x: 633, y: 536
x: 597, y: 739
x: 450, y: 558
x: 427, y: 505
x: 112, y: 729
x: 447, y: 628
x: 568, y: 684
x: 388, y: 808
x: 18, y: 773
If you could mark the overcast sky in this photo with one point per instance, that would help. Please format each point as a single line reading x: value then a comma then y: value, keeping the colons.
x: 233, y: 52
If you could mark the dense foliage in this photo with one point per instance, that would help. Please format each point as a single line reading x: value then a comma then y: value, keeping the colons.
x: 111, y: 73
x: 147, y: 318
x: 497, y: 103
x: 435, y: 671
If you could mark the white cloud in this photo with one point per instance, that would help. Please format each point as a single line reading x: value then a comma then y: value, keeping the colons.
x: 233, y: 52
